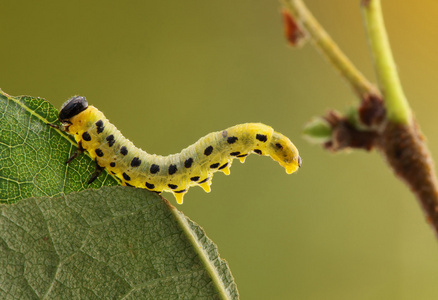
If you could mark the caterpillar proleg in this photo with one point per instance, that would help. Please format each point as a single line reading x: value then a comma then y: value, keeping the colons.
x: 174, y: 173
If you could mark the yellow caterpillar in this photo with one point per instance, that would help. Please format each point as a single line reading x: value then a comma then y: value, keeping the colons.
x: 174, y: 173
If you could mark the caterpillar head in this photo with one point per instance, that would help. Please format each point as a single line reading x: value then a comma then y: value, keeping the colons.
x: 284, y: 152
x: 71, y: 108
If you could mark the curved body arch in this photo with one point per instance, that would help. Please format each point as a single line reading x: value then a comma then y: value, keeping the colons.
x: 176, y: 173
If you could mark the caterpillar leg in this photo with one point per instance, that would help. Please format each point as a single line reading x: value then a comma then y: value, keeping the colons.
x: 96, y: 173
x: 180, y: 197
x: 206, y: 186
x: 78, y: 151
x: 61, y: 127
x: 226, y: 169
x: 54, y: 126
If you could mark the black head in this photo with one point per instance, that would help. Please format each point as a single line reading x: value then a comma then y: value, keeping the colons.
x: 72, y: 107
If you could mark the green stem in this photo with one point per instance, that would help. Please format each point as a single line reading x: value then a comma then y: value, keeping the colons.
x: 397, y: 107
x: 328, y: 47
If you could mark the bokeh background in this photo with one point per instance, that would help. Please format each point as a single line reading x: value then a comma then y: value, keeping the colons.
x: 168, y: 72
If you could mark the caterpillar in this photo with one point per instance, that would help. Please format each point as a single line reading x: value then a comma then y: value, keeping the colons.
x: 174, y: 173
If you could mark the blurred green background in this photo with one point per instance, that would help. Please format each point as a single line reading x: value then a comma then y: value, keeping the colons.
x: 343, y: 227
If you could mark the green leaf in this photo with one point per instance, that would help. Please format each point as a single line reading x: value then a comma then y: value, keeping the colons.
x: 111, y: 243
x: 33, y: 155
x: 318, y: 131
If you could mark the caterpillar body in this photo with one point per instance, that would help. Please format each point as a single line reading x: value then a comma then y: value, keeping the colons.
x: 174, y: 173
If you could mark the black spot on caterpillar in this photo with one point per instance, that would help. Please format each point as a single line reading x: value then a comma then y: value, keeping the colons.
x: 174, y: 173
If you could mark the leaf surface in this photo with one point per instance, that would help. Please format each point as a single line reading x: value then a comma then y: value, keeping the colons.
x: 33, y: 154
x: 110, y: 243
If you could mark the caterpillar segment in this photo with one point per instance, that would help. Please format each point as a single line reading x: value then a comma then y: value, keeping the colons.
x: 176, y: 173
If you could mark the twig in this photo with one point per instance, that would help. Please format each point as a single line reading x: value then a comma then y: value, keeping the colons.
x: 397, y: 106
x: 401, y: 141
x: 389, y: 124
x: 330, y: 49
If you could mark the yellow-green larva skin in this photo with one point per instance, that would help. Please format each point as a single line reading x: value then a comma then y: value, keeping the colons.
x: 194, y: 165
